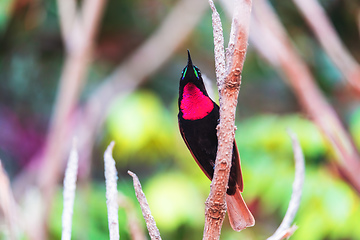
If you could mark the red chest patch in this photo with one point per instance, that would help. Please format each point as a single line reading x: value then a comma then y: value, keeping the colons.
x: 194, y: 104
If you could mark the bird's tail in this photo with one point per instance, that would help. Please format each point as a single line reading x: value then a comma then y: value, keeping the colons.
x: 239, y: 215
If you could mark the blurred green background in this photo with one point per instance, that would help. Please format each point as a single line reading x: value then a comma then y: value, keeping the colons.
x: 144, y: 123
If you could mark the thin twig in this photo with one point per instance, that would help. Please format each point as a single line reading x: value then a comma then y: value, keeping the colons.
x: 134, y: 225
x: 215, y: 205
x: 111, y: 192
x: 284, y: 234
x: 149, y: 219
x: 219, y: 51
x: 69, y: 192
x: 8, y: 205
x: 320, y: 24
x: 285, y: 227
x: 287, y: 61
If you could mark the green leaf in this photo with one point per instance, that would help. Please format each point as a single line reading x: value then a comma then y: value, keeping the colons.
x: 141, y: 127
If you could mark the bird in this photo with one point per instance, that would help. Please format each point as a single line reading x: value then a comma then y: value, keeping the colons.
x: 198, y: 118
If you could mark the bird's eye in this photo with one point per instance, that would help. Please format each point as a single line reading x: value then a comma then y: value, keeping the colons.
x: 184, y: 72
x: 196, y: 73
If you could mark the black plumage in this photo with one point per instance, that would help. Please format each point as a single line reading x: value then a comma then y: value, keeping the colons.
x: 198, y: 117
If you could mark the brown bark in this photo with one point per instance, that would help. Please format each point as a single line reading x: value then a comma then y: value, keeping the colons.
x: 215, y: 205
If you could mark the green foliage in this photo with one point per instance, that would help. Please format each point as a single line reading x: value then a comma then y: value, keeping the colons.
x: 174, y: 201
x: 140, y: 125
x: 268, y: 133
x: 329, y: 208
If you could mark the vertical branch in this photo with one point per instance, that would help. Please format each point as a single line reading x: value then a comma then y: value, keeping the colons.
x: 149, y: 219
x: 287, y: 60
x: 215, y: 205
x: 316, y: 17
x: 69, y: 192
x: 111, y: 192
x: 285, y: 230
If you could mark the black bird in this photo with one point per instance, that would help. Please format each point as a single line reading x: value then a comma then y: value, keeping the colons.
x: 198, y: 117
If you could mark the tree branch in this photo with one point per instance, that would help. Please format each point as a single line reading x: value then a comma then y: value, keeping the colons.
x: 215, y: 205
x: 149, y: 219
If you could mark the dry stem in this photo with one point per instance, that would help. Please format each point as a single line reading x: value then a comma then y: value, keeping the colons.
x: 215, y: 205
x: 111, y: 192
x: 8, y: 205
x: 134, y: 225
x: 69, y: 192
x: 149, y: 219
x: 316, y: 17
x: 285, y: 229
x: 219, y: 50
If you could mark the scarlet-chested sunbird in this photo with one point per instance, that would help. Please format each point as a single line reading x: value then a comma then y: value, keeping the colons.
x: 198, y: 117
